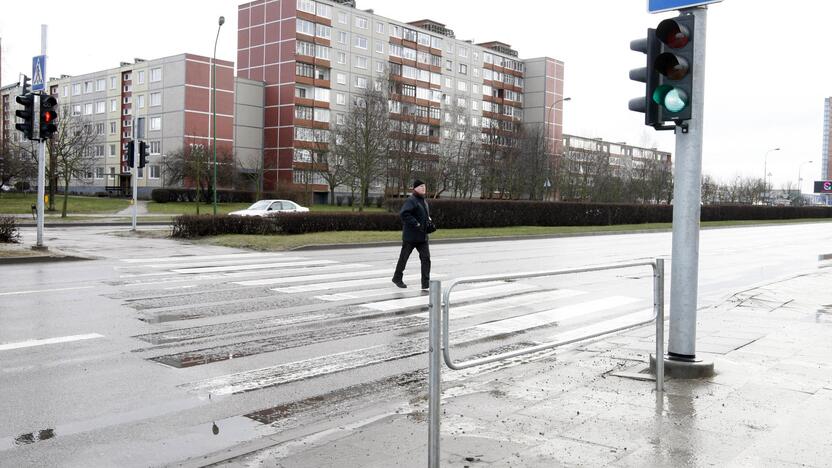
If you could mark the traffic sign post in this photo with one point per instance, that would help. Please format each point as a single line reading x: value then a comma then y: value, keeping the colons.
x: 38, y: 73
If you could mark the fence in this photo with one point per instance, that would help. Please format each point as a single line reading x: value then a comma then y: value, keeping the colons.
x: 439, y: 336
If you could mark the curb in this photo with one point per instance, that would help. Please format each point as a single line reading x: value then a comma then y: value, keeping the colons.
x: 40, y: 259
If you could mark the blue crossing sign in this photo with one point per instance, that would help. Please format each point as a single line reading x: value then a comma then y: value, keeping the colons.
x: 38, y: 73
x: 658, y: 6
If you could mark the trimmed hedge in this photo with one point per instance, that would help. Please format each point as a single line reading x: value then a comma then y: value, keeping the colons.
x: 189, y: 226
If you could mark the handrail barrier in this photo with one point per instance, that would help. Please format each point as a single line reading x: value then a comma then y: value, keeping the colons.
x: 439, y: 335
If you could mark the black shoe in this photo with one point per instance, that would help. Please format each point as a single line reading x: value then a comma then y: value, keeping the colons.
x: 399, y: 283
x: 425, y: 286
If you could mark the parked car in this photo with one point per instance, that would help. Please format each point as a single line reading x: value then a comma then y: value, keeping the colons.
x: 266, y: 207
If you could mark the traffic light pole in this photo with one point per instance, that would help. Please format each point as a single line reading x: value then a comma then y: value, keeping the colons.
x: 687, y: 190
x: 41, y: 170
x: 135, y: 173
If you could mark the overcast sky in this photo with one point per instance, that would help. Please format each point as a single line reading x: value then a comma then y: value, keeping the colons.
x: 766, y: 75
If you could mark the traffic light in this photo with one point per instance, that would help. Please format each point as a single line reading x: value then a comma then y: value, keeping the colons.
x: 142, y: 153
x: 647, y: 75
x: 48, y: 116
x: 668, y: 76
x: 131, y: 154
x: 27, y: 114
x: 674, y: 65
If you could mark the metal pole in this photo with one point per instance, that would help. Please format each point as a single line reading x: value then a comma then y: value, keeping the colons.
x: 135, y: 175
x: 659, y: 292
x: 214, y: 108
x: 435, y: 378
x: 687, y: 195
x: 41, y: 148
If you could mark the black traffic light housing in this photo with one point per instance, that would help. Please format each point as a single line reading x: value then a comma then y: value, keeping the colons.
x: 48, y: 116
x: 142, y: 153
x: 668, y: 76
x: 27, y: 114
x: 131, y: 154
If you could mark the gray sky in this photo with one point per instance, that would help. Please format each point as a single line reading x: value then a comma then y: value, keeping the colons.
x: 763, y: 91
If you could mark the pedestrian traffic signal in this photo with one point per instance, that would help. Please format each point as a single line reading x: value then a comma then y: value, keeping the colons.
x: 27, y: 114
x: 131, y: 154
x: 48, y: 116
x: 668, y: 76
x: 674, y: 64
x: 142, y: 153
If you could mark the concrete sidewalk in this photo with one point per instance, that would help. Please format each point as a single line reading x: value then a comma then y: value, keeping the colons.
x: 769, y: 404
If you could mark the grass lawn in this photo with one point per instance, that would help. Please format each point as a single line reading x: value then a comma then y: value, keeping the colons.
x: 18, y: 203
x: 278, y: 242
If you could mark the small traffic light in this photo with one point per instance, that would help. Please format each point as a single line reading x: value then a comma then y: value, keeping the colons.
x: 24, y: 83
x: 48, y: 116
x: 668, y: 76
x: 674, y: 64
x: 27, y: 114
x: 131, y: 154
x: 142, y: 153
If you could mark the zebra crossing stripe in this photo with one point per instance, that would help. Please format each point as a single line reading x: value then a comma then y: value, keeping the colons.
x: 507, y: 303
x: 236, y: 256
x: 311, y: 278
x: 559, y: 314
x: 253, y: 266
x: 462, y: 295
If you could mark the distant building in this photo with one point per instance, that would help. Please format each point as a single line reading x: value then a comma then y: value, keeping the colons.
x: 316, y: 57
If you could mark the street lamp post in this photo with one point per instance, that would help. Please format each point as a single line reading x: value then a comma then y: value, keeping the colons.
x: 800, y: 180
x: 554, y: 152
x: 765, y: 168
x: 214, y: 107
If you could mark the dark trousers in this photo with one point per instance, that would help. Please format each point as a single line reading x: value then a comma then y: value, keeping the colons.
x: 424, y: 257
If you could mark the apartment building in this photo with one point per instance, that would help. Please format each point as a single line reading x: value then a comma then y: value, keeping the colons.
x: 8, y: 105
x: 317, y: 57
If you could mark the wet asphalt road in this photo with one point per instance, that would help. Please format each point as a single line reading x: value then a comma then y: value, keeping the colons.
x: 158, y: 352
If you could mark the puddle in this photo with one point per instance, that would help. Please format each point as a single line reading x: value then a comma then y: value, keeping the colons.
x: 33, y: 437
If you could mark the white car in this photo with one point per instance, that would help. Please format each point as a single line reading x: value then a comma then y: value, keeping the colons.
x: 266, y: 207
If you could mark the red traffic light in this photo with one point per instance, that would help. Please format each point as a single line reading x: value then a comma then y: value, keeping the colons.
x: 673, y: 34
x: 49, y: 116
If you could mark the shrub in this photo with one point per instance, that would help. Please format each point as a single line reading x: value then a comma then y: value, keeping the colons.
x: 160, y: 195
x: 302, y: 223
x: 189, y: 226
x: 9, y: 233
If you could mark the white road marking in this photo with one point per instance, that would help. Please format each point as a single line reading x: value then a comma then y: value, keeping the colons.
x: 253, y: 266
x: 361, y: 294
x: 480, y: 292
x: 48, y: 341
x: 221, y: 263
x: 300, y: 279
x: 12, y: 293
x: 201, y: 257
x: 458, y: 312
x: 559, y: 314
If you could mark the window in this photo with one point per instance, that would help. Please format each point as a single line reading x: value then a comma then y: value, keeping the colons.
x: 475, y: 105
x: 380, y: 67
x: 155, y: 123
x: 361, y: 82
x: 379, y: 47
x: 460, y: 102
x: 305, y: 27
x: 141, y: 173
x: 449, y: 83
x: 66, y: 91
x: 322, y: 94
x: 305, y: 48
x: 141, y: 101
x: 304, y: 69
x: 99, y: 172
x: 306, y: 5
x: 361, y: 62
x: 462, y: 86
x: 435, y: 43
x: 113, y: 128
x: 155, y: 74
x: 341, y: 99
x: 112, y: 150
x: 323, y: 31
x: 155, y: 147
x: 99, y: 130
x: 323, y: 10
x: 100, y: 107
x: 113, y: 82
x: 321, y: 52
x: 360, y: 42
x: 449, y: 65
x: 475, y: 88
x: 100, y: 84
x: 155, y: 99
x: 154, y: 171
x: 303, y: 113
x: 322, y: 115
x: 76, y: 89
x: 302, y: 155
x: 380, y: 28
x: 462, y: 52
x: 341, y: 78
x: 409, y: 90
x: 87, y: 87
x: 463, y: 69
x: 88, y: 108
x: 340, y: 119
x: 342, y: 58
x: 342, y: 37
x: 303, y: 92
x: 342, y: 17
x: 360, y: 22
x: 141, y: 76
x: 113, y: 105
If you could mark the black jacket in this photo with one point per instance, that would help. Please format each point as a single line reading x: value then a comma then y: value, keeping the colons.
x: 414, y: 214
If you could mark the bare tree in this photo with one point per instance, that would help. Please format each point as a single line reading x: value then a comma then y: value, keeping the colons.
x: 73, y: 149
x: 710, y: 190
x: 193, y: 164
x: 363, y: 142
x: 536, y: 162
x: 16, y: 162
x: 250, y: 176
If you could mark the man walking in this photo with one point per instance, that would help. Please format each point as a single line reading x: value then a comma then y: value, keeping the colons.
x: 416, y: 225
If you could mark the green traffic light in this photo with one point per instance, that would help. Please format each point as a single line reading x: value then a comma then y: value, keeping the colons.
x: 671, y: 98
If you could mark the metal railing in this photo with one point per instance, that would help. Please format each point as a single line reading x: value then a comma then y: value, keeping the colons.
x: 439, y: 335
